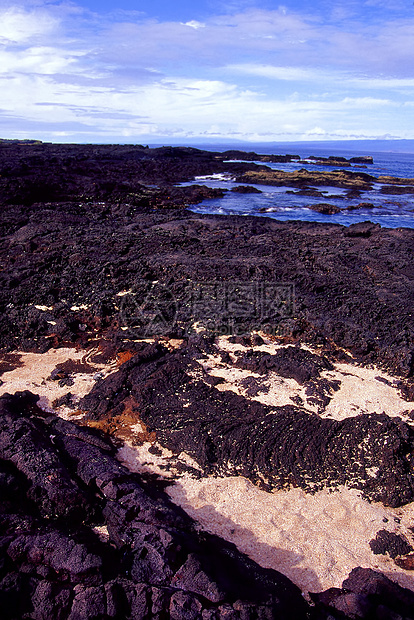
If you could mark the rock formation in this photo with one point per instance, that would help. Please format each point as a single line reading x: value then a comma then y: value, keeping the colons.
x: 97, y: 246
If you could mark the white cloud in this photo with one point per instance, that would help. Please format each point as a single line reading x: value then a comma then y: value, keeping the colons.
x: 194, y: 24
x: 179, y: 107
x: 383, y: 83
x: 252, y: 73
x: 20, y: 26
x: 291, y: 74
x: 43, y: 60
x: 393, y: 5
x: 319, y: 76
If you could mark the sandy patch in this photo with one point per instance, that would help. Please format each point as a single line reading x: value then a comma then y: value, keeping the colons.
x: 151, y: 458
x: 365, y: 390
x: 315, y: 540
x: 34, y: 375
x: 362, y: 390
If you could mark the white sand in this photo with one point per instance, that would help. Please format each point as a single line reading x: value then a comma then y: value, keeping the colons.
x: 315, y: 540
x: 34, y: 375
x: 362, y: 390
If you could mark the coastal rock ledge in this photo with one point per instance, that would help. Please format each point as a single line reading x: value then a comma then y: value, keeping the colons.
x: 96, y: 243
x: 83, y: 537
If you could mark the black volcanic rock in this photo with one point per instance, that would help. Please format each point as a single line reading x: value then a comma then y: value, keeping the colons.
x: 328, y: 161
x: 306, y: 191
x: 91, y: 237
x: 245, y: 189
x: 388, y: 542
x: 361, y: 205
x: 111, y: 230
x: 353, y: 286
x: 251, y: 156
x: 273, y: 446
x: 362, y: 229
x: 362, y: 159
x: 291, y: 362
x: 325, y: 208
x: 367, y: 594
x: 303, y: 178
x: 153, y: 562
x: 397, y: 189
x: 23, y: 444
x: 134, y: 554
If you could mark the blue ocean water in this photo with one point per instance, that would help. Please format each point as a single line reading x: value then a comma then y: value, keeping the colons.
x: 392, y: 211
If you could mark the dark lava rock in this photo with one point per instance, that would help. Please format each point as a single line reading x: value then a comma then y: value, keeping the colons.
x: 23, y: 443
x: 406, y: 561
x: 361, y: 205
x: 362, y: 229
x: 291, y: 362
x: 406, y: 390
x: 251, y: 156
x: 304, y: 178
x: 328, y: 161
x: 388, y: 542
x: 362, y: 159
x: 368, y: 594
x: 352, y: 194
x: 10, y: 361
x: 245, y: 189
x: 152, y: 562
x: 81, y: 225
x: 253, y: 387
x: 319, y: 392
x: 325, y: 208
x: 192, y: 194
x: 397, y: 189
x: 273, y: 446
x: 67, y: 400
x: 117, y: 223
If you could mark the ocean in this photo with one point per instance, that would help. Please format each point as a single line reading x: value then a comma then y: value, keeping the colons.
x: 394, y: 158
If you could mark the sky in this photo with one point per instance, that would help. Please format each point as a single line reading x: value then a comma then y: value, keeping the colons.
x: 155, y: 71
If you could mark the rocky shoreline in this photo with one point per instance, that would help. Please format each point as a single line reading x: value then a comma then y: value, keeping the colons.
x: 99, y: 253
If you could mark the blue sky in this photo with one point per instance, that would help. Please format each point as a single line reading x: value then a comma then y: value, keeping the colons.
x: 251, y: 70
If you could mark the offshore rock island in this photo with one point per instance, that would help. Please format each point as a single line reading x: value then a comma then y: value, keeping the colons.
x: 142, y: 385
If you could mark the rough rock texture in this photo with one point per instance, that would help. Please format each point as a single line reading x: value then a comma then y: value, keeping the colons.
x: 367, y: 594
x: 291, y: 362
x: 245, y: 189
x: 100, y: 234
x: 124, y: 551
x: 303, y: 177
x: 353, y: 286
x: 324, y: 207
x: 388, y: 542
x: 273, y: 446
x: 54, y: 565
x: 87, y: 232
